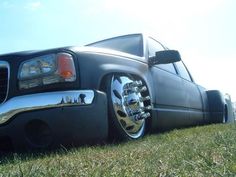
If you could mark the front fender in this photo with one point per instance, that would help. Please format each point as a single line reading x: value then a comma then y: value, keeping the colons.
x: 95, y: 67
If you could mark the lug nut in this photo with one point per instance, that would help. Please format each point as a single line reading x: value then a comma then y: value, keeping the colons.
x: 136, y: 112
x: 142, y: 99
x: 148, y: 108
x: 145, y: 115
x: 142, y: 116
x: 143, y: 89
x: 134, y: 84
x: 139, y: 83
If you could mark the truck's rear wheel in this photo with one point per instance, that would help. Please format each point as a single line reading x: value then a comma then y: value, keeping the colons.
x: 225, y: 117
x: 127, y: 108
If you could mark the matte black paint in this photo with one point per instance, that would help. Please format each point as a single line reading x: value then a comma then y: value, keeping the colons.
x: 63, y: 126
x: 176, y: 101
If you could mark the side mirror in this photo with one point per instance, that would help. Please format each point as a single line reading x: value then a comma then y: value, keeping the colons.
x: 164, y: 57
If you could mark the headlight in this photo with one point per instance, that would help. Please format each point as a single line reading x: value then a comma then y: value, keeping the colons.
x: 47, y: 69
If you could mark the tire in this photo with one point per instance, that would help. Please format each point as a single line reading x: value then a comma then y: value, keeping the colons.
x: 225, y: 116
x: 217, y: 107
x: 128, y: 107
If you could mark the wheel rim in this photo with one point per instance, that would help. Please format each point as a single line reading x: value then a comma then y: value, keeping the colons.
x: 128, y: 105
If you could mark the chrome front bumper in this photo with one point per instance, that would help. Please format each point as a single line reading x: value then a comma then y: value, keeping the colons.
x: 46, y: 100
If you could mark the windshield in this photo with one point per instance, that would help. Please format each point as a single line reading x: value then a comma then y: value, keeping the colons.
x: 132, y: 44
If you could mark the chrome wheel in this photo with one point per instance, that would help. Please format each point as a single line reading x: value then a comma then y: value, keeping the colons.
x: 130, y: 105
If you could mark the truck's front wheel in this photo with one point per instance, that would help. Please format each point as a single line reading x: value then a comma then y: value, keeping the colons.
x: 127, y: 110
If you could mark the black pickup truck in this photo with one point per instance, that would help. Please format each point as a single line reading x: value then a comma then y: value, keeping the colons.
x: 122, y: 88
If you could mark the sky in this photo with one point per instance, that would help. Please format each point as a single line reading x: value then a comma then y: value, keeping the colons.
x: 204, y: 31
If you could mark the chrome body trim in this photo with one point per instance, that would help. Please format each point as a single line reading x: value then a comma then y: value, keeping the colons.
x: 4, y: 64
x: 46, y: 100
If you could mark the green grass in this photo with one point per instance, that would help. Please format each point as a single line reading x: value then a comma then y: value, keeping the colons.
x: 200, y: 151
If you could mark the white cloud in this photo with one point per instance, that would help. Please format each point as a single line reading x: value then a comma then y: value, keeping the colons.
x: 33, y: 5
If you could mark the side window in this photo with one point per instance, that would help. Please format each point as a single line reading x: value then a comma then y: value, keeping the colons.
x: 168, y: 67
x: 153, y: 47
x: 183, y: 71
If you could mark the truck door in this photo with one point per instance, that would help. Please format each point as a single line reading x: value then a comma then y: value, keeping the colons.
x: 192, y: 94
x: 171, y: 103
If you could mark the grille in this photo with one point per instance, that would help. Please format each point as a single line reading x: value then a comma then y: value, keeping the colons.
x: 3, y: 83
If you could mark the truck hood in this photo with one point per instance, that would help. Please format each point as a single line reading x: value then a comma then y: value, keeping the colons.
x: 104, y: 51
x: 85, y: 49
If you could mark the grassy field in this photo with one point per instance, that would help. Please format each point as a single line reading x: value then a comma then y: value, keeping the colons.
x: 199, y: 151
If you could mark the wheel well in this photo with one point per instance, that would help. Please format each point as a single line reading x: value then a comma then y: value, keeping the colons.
x: 103, y: 86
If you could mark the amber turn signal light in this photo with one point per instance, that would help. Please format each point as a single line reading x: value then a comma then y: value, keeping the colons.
x: 66, y: 68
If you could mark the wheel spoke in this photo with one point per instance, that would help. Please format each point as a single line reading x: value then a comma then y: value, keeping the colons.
x: 117, y: 94
x: 121, y: 113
